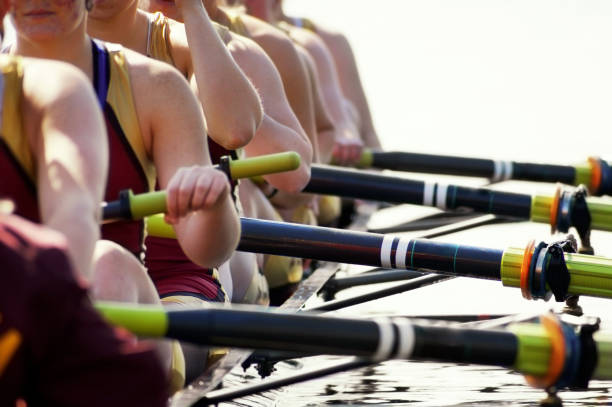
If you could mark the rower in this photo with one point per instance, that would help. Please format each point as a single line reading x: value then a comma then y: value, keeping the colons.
x: 55, y: 349
x: 280, y: 131
x: 328, y: 137
x: 346, y: 68
x: 348, y: 147
x: 164, y: 143
x: 202, y: 58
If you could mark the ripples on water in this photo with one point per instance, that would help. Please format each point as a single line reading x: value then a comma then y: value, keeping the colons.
x: 415, y: 384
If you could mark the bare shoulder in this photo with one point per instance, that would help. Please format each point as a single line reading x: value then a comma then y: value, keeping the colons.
x: 68, y: 82
x: 268, y: 35
x: 153, y: 79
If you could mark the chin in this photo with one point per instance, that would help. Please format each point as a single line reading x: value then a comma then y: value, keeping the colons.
x: 167, y: 7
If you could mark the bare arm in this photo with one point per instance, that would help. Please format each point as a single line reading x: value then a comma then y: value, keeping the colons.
x: 198, y: 200
x: 72, y: 156
x: 231, y: 104
x: 326, y: 131
x: 348, y: 142
x: 350, y: 82
x: 280, y: 129
x: 291, y: 67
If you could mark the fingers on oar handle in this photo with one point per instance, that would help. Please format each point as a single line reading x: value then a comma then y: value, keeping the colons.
x: 130, y: 206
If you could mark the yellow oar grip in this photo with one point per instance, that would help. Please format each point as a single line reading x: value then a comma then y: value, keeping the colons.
x: 589, y: 275
x: 265, y: 164
x: 142, y: 320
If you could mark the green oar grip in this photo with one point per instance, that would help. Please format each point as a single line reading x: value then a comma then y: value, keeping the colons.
x: 157, y: 226
x: 589, y: 275
x: 535, y: 348
x: 365, y: 161
x: 142, y: 320
x: 600, y: 210
x: 265, y: 164
x: 130, y: 206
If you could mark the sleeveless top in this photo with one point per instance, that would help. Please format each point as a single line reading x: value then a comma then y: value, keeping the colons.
x: 170, y: 269
x: 129, y: 166
x: 17, y: 162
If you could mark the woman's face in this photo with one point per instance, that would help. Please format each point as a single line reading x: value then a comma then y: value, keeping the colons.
x: 41, y: 20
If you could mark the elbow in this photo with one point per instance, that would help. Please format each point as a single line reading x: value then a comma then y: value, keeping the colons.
x: 239, y: 138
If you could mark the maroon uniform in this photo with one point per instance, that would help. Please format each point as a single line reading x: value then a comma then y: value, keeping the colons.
x: 55, y: 350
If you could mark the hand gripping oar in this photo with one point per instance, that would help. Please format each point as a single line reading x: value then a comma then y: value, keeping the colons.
x: 595, y: 173
x: 562, y: 210
x: 540, y: 271
x: 130, y: 206
x: 551, y: 352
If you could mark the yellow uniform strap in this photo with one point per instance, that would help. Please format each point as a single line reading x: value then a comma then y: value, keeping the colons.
x: 121, y: 99
x: 237, y: 25
x: 158, y: 40
x: 13, y: 132
x: 9, y: 343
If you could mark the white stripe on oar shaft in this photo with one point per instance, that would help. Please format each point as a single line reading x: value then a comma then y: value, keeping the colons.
x: 405, y: 341
x: 502, y: 171
x: 386, y: 337
x: 441, y: 196
x: 497, y: 171
x: 508, y: 170
x: 401, y: 252
x: 385, y: 251
x: 429, y: 188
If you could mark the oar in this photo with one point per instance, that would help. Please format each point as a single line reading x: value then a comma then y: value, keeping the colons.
x: 561, y: 210
x: 595, y: 173
x: 130, y: 206
x: 539, y: 271
x: 551, y: 351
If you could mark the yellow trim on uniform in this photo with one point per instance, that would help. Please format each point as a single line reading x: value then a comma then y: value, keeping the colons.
x: 237, y: 25
x: 159, y: 39
x: 9, y: 343
x: 121, y: 99
x: 258, y: 292
x: 13, y: 132
x: 330, y: 208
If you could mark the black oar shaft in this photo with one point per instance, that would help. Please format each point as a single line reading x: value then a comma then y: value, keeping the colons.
x: 473, y: 167
x: 378, y: 339
x: 363, y: 185
x: 368, y: 249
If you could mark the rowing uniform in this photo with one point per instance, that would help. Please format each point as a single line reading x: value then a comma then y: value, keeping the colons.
x: 17, y: 162
x: 172, y: 272
x: 129, y: 166
x: 55, y: 349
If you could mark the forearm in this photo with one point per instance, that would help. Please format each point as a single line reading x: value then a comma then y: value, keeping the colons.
x: 231, y: 104
x: 273, y: 137
x: 209, y: 237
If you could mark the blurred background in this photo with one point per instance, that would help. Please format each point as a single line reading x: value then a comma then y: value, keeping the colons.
x: 514, y: 79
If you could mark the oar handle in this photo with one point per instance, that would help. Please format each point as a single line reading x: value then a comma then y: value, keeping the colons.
x: 550, y: 351
x: 588, y: 275
x: 130, y: 206
x: 365, y: 161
